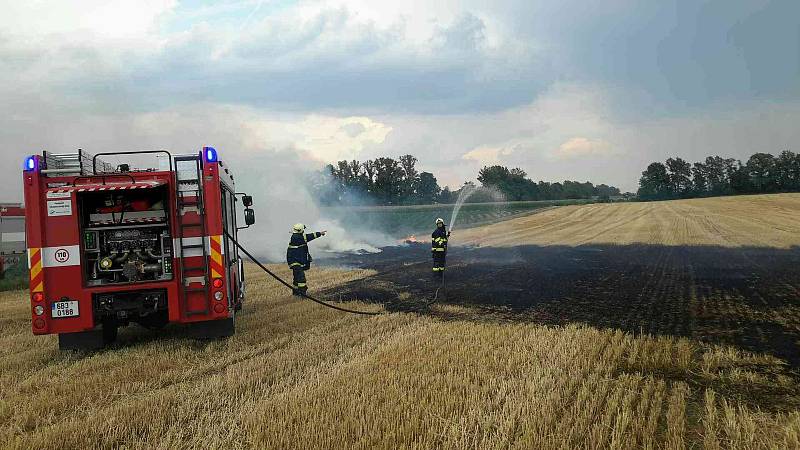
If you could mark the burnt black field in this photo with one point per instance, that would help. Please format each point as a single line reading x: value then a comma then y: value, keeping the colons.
x: 745, y: 297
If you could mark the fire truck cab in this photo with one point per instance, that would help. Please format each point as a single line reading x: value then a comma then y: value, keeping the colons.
x: 110, y: 245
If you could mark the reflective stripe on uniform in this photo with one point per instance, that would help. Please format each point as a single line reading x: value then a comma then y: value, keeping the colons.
x: 438, y: 269
x: 438, y: 249
x: 295, y: 264
x: 298, y: 246
x: 301, y: 285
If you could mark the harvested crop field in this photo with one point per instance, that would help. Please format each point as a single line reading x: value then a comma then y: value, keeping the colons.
x: 598, y: 326
x: 771, y: 221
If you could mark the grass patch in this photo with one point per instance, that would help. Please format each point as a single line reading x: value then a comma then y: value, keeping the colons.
x: 15, y: 278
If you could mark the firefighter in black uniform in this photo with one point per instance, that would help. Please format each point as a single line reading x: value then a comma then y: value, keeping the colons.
x: 298, y: 257
x: 439, y: 247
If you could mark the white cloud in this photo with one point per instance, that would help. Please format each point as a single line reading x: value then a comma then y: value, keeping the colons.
x: 525, y: 137
x: 487, y: 156
x: 56, y: 22
x: 581, y: 146
x: 365, y: 57
x: 324, y: 138
x: 457, y: 83
x: 327, y: 137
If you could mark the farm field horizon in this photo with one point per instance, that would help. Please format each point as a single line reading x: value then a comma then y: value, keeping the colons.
x: 637, y: 325
x: 404, y: 220
x: 767, y: 220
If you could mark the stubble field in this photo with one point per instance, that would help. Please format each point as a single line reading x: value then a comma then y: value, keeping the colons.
x: 663, y: 325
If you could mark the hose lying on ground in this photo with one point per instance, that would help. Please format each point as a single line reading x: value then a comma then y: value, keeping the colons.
x: 320, y: 302
x: 264, y: 268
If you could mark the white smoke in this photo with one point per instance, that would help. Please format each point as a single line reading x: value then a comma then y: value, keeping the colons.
x: 341, y: 240
x: 277, y: 180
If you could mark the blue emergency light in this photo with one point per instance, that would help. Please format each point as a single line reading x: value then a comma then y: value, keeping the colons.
x: 30, y: 164
x: 210, y: 154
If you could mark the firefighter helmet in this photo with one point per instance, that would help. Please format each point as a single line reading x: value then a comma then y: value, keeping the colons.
x: 298, y: 228
x: 439, y: 221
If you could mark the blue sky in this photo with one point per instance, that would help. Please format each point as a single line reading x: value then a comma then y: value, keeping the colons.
x: 587, y: 90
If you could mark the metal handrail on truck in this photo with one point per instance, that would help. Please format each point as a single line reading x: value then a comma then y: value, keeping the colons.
x: 141, y: 152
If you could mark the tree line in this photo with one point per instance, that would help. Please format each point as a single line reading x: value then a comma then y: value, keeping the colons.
x: 516, y: 186
x: 715, y: 176
x: 381, y: 181
x: 389, y: 181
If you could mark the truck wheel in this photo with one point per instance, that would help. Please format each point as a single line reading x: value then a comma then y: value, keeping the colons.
x: 84, y: 340
x: 213, y: 329
x: 109, y: 332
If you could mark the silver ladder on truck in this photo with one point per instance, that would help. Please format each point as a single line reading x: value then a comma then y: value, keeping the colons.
x: 78, y: 163
x: 189, y: 193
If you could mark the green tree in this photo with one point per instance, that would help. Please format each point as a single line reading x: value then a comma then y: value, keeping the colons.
x: 427, y: 188
x: 513, y: 183
x: 717, y: 171
x: 680, y: 177
x: 699, y: 179
x: 655, y: 183
x: 446, y: 196
x: 388, y: 179
x: 605, y: 191
x: 761, y: 169
x: 739, y: 178
x: 556, y: 191
x: 408, y: 184
x: 787, y: 169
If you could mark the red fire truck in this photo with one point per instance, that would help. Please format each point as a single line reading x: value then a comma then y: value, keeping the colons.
x: 110, y: 245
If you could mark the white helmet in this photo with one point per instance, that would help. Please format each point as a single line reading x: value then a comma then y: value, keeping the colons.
x: 298, y: 228
x: 439, y: 221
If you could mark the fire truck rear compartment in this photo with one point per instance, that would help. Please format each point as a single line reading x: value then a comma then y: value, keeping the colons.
x: 126, y: 237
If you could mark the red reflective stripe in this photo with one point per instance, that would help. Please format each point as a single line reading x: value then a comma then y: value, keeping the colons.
x: 37, y: 280
x: 216, y: 246
x: 218, y: 268
x: 93, y: 187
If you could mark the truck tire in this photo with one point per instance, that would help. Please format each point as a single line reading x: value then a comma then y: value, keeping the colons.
x: 109, y: 332
x: 213, y: 329
x: 84, y: 340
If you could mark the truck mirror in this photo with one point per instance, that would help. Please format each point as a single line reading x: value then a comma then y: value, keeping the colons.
x: 249, y: 216
x: 247, y: 201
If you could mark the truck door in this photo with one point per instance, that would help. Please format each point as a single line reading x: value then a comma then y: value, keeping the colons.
x: 231, y: 256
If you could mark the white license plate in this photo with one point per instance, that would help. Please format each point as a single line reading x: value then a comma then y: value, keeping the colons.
x: 65, y: 309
